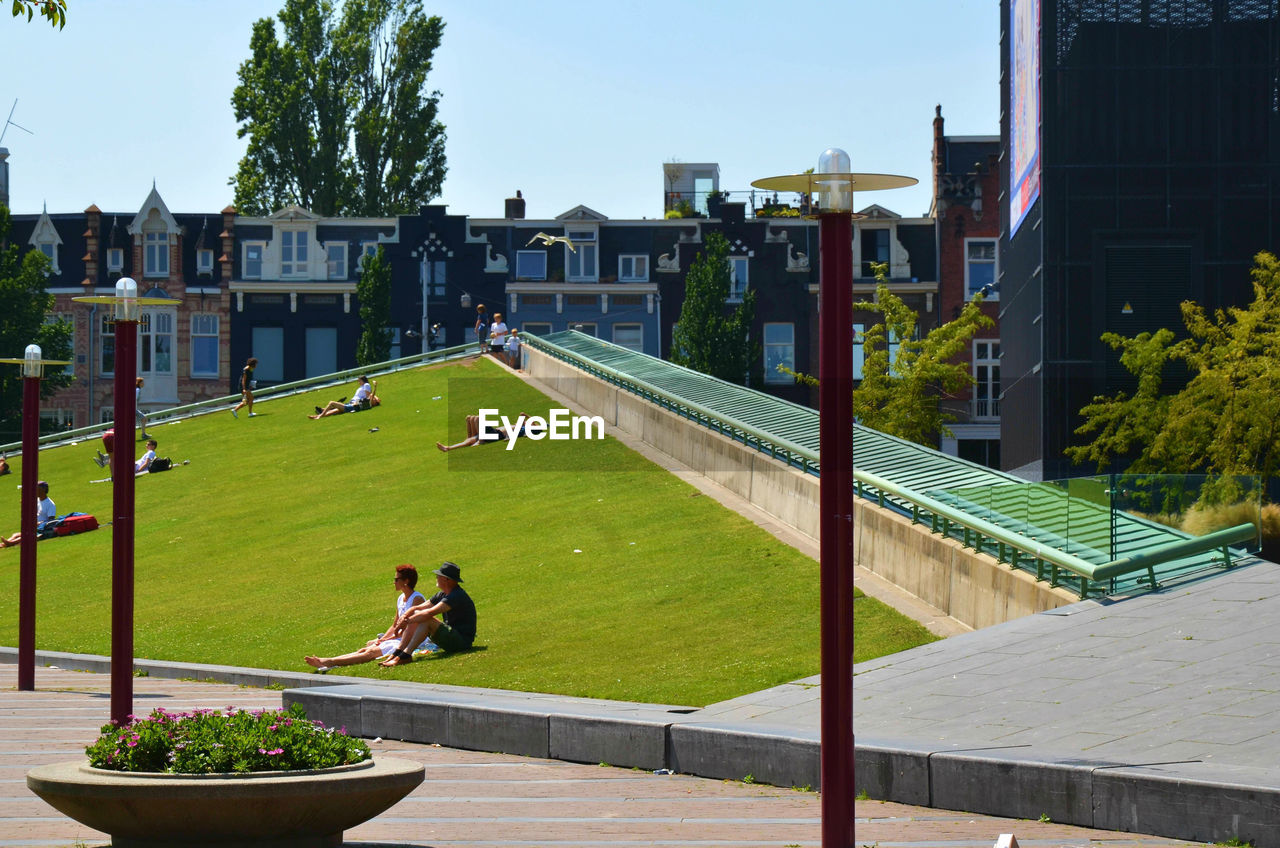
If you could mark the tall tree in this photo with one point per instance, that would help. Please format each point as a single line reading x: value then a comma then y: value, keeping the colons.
x: 374, y: 292
x: 904, y: 377
x: 709, y: 337
x: 1225, y: 420
x: 24, y: 307
x: 337, y: 112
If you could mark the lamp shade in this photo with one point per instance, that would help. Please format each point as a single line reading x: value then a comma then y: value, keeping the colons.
x: 31, y: 365
x: 126, y: 304
x: 835, y: 192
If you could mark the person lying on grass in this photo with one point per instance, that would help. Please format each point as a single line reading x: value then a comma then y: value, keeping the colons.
x: 382, y: 645
x: 365, y: 393
x: 473, y: 434
x: 455, y: 633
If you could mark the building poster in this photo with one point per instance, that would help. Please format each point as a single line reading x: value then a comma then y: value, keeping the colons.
x: 1024, y: 110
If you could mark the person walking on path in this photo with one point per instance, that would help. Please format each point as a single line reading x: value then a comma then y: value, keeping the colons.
x: 247, y: 385
x: 448, y: 619
x: 406, y: 581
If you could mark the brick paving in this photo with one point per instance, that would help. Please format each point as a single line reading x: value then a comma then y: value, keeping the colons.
x: 472, y: 798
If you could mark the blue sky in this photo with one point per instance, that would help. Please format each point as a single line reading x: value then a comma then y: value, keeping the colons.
x: 570, y: 102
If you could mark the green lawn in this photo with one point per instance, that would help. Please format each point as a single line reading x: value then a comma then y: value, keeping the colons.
x: 595, y: 573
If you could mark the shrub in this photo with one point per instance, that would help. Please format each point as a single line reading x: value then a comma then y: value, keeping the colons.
x: 210, y: 742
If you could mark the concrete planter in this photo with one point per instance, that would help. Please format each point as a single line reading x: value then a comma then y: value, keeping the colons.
x: 294, y: 809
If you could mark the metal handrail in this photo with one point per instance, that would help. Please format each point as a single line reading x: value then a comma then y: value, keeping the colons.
x: 1087, y: 572
x: 798, y: 455
x: 281, y: 390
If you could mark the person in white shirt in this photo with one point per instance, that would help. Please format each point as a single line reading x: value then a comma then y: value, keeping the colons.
x: 513, y: 350
x: 143, y: 465
x: 45, y: 512
x: 365, y: 392
x: 497, y: 335
x: 138, y: 411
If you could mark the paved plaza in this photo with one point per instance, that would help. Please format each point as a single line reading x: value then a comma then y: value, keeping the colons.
x: 478, y: 799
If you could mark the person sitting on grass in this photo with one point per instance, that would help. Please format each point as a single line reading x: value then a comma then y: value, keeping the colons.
x: 456, y: 632
x: 366, y: 396
x: 45, y: 512
x: 473, y: 434
x: 143, y: 465
x: 382, y: 645
x: 4, y: 465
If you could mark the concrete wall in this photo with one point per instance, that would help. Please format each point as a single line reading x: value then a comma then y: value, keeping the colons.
x: 970, y: 587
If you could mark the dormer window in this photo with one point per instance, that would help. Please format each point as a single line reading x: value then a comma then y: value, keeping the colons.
x: 45, y: 239
x: 293, y: 253
x: 251, y: 265
x: 336, y: 260
x: 581, y: 261
x: 204, y: 262
x: 115, y: 260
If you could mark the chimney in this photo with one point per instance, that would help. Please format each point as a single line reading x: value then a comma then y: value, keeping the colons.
x: 939, y: 151
x: 515, y: 206
x: 4, y: 175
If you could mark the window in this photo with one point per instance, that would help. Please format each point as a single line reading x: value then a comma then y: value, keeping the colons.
x: 115, y: 259
x: 627, y: 300
x: 293, y: 253
x: 155, y: 256
x: 50, y: 251
x: 582, y: 327
x: 630, y: 336
x: 986, y: 376
x: 204, y: 345
x: 335, y: 256
x: 367, y: 249
x: 538, y: 329
x: 536, y: 300
x: 155, y: 343
x: 434, y: 276
x: 633, y: 268
x: 875, y: 248
x: 107, y: 347
x: 583, y: 300
x: 395, y: 343
x: 531, y: 264
x: 779, y: 349
x: 204, y: 262
x: 106, y: 415
x: 979, y: 267
x: 581, y: 261
x: 859, y: 356
x: 738, y: 278
x: 55, y: 421
x: 252, y: 265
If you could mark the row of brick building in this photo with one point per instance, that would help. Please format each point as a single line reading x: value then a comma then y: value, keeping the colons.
x: 283, y: 288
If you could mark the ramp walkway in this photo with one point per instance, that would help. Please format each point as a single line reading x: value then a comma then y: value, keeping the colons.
x: 1070, y: 533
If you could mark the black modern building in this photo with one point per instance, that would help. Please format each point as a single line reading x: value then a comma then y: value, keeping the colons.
x: 1140, y: 144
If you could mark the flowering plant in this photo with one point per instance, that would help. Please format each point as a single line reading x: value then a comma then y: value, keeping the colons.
x: 209, y: 742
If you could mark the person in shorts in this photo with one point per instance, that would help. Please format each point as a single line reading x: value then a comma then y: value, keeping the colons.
x: 448, y: 618
x: 247, y: 385
x: 366, y: 396
x: 406, y: 582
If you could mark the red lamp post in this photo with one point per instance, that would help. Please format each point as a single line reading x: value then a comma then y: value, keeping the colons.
x: 835, y: 185
x: 126, y: 305
x: 32, y: 369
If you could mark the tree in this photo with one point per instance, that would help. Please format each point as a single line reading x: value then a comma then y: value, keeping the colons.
x: 1225, y: 420
x: 24, y: 307
x: 374, y: 292
x: 54, y: 10
x: 337, y: 113
x: 904, y: 377
x: 706, y: 339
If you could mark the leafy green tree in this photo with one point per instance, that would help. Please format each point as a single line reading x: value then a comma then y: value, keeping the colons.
x: 1225, y: 420
x: 904, y: 378
x: 337, y: 113
x: 707, y: 339
x: 374, y: 292
x: 54, y: 10
x: 24, y: 306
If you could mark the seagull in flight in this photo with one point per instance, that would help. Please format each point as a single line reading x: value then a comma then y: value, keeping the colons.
x: 550, y: 240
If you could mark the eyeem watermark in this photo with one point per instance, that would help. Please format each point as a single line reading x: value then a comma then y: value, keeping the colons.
x: 560, y: 426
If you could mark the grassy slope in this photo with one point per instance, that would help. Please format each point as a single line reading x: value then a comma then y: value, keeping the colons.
x: 282, y: 535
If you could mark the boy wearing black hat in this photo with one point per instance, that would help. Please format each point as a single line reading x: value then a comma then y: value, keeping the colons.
x: 454, y: 633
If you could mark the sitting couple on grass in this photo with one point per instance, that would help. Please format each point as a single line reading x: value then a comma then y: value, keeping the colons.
x: 366, y: 397
x: 448, y: 619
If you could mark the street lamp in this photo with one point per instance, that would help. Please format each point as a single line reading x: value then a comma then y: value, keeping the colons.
x: 127, y: 312
x: 32, y: 364
x: 835, y: 184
